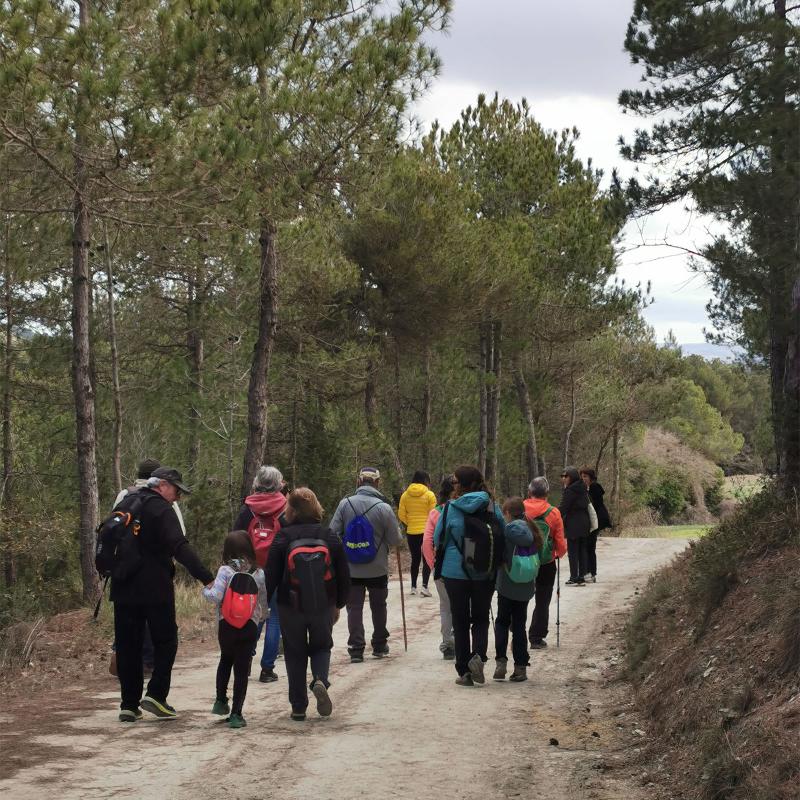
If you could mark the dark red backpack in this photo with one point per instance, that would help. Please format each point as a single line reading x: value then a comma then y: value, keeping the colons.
x: 240, y: 600
x: 262, y: 530
x: 308, y: 570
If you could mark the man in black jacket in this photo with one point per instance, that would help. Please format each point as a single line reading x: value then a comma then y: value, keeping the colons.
x: 148, y: 596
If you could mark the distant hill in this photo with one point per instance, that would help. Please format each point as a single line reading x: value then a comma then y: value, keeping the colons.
x: 711, y: 351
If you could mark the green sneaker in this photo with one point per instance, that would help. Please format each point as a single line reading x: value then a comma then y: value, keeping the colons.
x: 237, y: 721
x: 221, y: 708
x: 161, y: 709
x: 130, y: 715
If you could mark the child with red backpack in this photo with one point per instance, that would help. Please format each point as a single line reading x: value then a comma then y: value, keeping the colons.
x: 261, y: 516
x: 308, y: 570
x: 239, y: 590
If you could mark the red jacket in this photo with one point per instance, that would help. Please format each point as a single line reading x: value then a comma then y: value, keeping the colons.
x: 535, y: 507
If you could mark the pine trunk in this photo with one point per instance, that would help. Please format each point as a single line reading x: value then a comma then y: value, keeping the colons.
x: 493, y: 433
x: 615, y: 476
x: 484, y: 399
x: 524, y: 397
x: 255, y: 449
x: 397, y: 405
x: 82, y: 385
x: 426, y: 409
x: 116, y: 457
x: 195, y: 346
x: 573, y: 414
x: 9, y: 564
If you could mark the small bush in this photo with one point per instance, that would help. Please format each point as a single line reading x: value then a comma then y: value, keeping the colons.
x: 667, y: 497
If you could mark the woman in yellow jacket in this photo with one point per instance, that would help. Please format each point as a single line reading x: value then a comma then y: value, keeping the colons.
x: 415, y: 505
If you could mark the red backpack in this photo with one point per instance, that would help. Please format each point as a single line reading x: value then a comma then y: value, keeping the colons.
x: 262, y: 530
x: 240, y: 600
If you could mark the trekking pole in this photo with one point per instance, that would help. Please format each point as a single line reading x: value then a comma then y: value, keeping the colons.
x: 558, y: 602
x: 99, y: 601
x: 402, y: 599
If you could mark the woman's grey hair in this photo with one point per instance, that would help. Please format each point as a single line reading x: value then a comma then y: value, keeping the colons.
x: 538, y: 487
x: 267, y: 479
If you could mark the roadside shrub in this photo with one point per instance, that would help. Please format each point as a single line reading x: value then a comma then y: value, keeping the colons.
x: 714, y: 494
x: 667, y: 497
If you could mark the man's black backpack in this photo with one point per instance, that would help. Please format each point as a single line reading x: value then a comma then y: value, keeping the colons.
x: 117, y: 554
x: 484, y: 543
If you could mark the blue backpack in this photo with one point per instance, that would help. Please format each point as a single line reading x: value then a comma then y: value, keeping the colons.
x: 359, y: 542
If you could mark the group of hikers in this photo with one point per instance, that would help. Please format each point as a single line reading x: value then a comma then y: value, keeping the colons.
x: 286, y: 574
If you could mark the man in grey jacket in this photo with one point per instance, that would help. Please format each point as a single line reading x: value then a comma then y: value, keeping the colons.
x: 373, y: 577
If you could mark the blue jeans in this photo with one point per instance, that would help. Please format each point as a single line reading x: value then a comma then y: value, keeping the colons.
x: 272, y: 638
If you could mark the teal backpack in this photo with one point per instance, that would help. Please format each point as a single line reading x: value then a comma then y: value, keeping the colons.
x: 524, y: 566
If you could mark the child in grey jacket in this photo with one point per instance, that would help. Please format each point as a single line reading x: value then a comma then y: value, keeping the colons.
x: 513, y: 596
x: 236, y: 644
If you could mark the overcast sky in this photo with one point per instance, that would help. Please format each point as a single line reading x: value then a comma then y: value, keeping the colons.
x: 568, y: 60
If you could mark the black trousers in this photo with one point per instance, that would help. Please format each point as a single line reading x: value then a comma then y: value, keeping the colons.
x: 129, y: 624
x: 591, y: 554
x: 415, y: 548
x: 470, y: 602
x: 511, y: 615
x: 540, y: 619
x: 235, y: 653
x: 306, y: 638
x: 577, y: 552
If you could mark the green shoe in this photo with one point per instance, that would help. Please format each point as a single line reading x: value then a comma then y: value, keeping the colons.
x: 237, y: 721
x: 130, y: 715
x: 161, y: 709
x: 221, y: 708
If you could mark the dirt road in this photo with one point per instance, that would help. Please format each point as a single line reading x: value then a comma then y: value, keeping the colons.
x: 400, y: 726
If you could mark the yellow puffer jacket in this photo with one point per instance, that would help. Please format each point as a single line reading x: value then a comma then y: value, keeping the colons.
x: 415, y: 505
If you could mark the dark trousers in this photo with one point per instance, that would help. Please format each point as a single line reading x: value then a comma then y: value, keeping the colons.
x: 129, y: 624
x: 511, y: 615
x: 378, y: 589
x: 306, y: 637
x: 470, y: 602
x: 576, y: 550
x: 235, y: 653
x: 415, y: 548
x: 591, y: 554
x: 540, y: 619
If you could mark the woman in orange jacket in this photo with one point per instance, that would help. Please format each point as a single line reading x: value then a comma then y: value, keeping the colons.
x: 415, y: 504
x: 537, y: 506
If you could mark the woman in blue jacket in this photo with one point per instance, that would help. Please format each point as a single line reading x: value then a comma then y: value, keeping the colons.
x: 470, y: 592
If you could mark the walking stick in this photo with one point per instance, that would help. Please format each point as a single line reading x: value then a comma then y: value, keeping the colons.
x: 558, y: 602
x: 402, y: 599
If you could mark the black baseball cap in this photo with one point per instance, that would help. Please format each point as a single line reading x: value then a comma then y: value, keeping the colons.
x: 172, y: 476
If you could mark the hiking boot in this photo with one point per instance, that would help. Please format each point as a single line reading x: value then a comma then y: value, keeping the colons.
x: 475, y: 667
x: 465, y: 680
x: 413, y: 590
x: 356, y: 657
x: 500, y: 669
x: 591, y: 578
x: 538, y: 644
x: 298, y: 716
x: 425, y: 592
x: 520, y: 674
x: 130, y: 714
x: 237, y: 721
x: 449, y: 654
x: 221, y: 708
x: 268, y: 676
x: 324, y: 704
x: 380, y: 652
x: 160, y: 708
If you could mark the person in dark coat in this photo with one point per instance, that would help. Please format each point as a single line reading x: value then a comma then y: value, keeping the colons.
x: 596, y: 492
x: 148, y: 596
x: 574, y: 509
x: 307, y: 635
